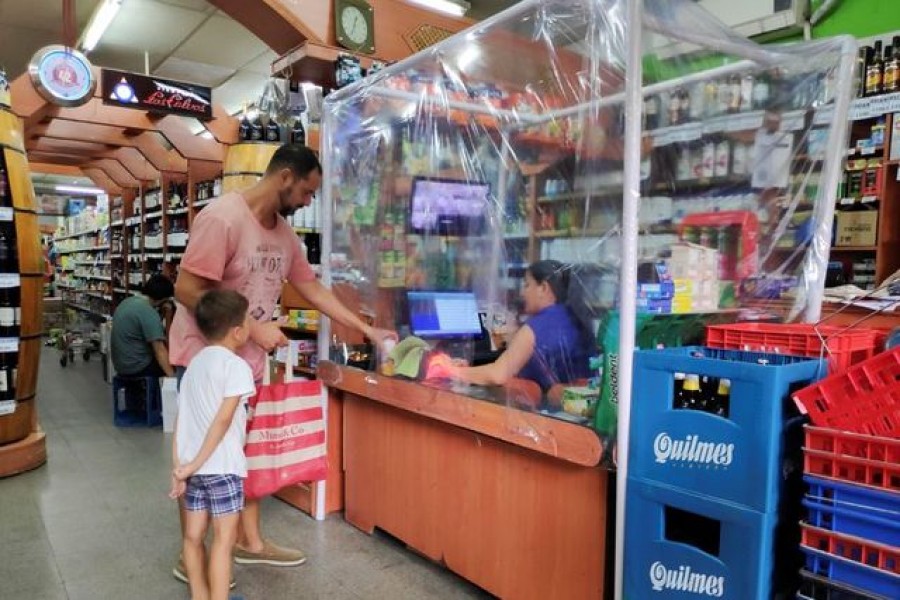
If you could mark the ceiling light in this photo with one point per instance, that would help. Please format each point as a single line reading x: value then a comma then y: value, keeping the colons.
x: 456, y: 8
x: 77, y: 189
x: 100, y: 20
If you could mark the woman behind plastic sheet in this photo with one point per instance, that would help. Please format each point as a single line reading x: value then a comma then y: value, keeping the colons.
x: 552, y: 347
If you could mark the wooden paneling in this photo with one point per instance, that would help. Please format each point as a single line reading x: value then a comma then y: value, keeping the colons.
x: 561, y: 440
x: 517, y: 523
x: 23, y: 455
x: 19, y: 180
x: 32, y: 305
x: 17, y: 426
x: 11, y: 130
x: 29, y: 360
x: 28, y: 241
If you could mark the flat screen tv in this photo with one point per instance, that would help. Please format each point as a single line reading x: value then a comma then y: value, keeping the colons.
x: 448, y: 207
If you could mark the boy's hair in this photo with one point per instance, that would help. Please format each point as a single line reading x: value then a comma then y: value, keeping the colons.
x: 218, y: 311
x: 298, y: 158
x: 158, y: 287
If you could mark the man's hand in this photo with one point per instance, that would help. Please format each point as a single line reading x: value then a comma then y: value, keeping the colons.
x: 268, y: 335
x: 378, y: 336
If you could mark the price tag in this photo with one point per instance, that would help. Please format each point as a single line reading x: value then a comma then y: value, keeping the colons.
x: 7, y: 407
x: 9, y: 345
x: 824, y: 116
x: 847, y: 201
x: 6, y: 214
x: 10, y: 280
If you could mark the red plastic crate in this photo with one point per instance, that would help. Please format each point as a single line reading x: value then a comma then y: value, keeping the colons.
x: 853, y: 457
x: 878, y: 556
x: 863, y: 399
x: 841, y: 348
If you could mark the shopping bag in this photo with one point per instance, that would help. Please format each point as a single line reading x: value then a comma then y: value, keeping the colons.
x: 285, y: 435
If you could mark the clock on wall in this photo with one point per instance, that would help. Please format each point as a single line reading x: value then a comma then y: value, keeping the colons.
x: 354, y: 25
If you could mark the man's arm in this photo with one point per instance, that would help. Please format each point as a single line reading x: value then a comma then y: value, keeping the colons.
x: 162, y: 357
x: 188, y: 290
x: 324, y: 299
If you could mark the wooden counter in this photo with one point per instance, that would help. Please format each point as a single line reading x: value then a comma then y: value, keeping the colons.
x: 512, y: 501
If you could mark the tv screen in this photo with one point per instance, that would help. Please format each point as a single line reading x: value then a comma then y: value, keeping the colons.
x: 443, y: 314
x: 448, y: 207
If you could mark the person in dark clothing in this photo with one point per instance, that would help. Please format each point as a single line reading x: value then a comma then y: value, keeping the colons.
x: 551, y: 347
x: 138, y: 340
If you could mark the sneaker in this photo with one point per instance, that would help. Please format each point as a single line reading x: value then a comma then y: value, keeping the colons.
x: 179, y: 572
x: 271, y: 554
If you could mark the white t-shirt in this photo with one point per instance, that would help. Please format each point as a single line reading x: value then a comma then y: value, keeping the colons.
x: 215, y: 373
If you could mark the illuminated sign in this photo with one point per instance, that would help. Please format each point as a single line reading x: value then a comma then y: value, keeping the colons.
x: 154, y: 94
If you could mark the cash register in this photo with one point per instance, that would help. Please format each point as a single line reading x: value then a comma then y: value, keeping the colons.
x: 451, y: 323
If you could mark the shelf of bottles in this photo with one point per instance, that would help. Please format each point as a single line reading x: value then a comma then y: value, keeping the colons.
x: 84, y: 276
x: 10, y: 297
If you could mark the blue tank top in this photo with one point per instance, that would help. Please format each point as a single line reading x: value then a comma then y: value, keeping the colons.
x: 561, y: 349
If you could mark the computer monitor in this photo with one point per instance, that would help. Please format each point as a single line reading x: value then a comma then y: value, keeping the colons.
x: 448, y: 207
x: 443, y: 315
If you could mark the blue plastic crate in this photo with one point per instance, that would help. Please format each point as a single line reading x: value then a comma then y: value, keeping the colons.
x: 660, y: 565
x: 816, y: 587
x: 738, y: 458
x: 855, y: 574
x: 856, y: 510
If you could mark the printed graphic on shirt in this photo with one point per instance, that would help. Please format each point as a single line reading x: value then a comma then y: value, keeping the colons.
x: 266, y: 270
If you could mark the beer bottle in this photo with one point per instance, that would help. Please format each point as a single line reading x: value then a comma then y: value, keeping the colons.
x: 257, y: 131
x: 679, y: 401
x: 298, y: 133
x: 273, y: 131
x: 692, y: 399
x: 244, y: 127
x: 722, y: 401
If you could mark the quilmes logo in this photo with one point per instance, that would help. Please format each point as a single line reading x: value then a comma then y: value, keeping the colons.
x: 684, y: 579
x: 692, y: 450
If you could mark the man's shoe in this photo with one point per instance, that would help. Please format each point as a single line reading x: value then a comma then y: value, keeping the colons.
x: 180, y: 573
x: 271, y: 554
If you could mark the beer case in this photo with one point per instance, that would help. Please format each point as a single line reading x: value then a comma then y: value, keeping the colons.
x: 738, y: 458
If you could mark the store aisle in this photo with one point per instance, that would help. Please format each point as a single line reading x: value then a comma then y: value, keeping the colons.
x: 95, y: 522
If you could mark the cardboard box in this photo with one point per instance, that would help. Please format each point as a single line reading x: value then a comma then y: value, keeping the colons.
x: 856, y: 228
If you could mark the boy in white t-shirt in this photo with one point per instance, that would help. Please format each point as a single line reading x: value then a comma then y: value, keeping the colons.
x: 208, y: 446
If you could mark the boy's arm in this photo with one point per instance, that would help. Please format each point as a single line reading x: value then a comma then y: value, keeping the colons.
x: 213, y: 438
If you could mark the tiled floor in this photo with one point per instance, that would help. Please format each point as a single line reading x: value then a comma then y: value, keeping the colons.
x: 95, y: 522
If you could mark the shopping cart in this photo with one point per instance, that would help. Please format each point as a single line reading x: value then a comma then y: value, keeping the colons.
x: 81, y: 336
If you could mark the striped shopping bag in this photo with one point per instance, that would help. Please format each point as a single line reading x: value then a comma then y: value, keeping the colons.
x: 285, y: 436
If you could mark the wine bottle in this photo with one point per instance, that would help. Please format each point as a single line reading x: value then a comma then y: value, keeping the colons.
x: 273, y: 131
x: 298, y: 133
x: 257, y: 130
x: 244, y: 127
x: 8, y: 325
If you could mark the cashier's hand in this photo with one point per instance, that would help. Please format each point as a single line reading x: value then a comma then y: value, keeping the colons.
x: 268, y: 335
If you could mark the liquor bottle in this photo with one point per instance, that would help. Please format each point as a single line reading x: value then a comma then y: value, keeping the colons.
x: 7, y: 386
x: 891, y: 75
x: 734, y: 100
x: 747, y: 84
x: 874, y: 72
x: 862, y: 66
x: 761, y: 92
x: 273, y: 131
x: 244, y: 127
x: 298, y: 133
x: 692, y: 398
x: 711, y: 98
x: 674, y: 107
x: 721, y: 404
x: 9, y: 309
x: 678, y: 395
x: 684, y: 108
x: 5, y: 199
x: 257, y: 131
x: 8, y: 255
x: 651, y: 112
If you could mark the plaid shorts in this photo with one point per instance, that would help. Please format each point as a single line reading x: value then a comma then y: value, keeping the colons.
x: 218, y: 494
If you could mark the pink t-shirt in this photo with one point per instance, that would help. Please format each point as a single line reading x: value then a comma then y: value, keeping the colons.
x: 229, y: 245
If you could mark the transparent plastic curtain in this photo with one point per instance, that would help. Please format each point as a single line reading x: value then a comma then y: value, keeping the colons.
x: 668, y: 172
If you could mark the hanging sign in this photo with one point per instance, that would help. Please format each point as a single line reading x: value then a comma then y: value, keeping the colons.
x: 62, y: 75
x: 143, y: 92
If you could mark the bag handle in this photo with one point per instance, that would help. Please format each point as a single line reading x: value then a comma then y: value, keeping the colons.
x: 290, y: 361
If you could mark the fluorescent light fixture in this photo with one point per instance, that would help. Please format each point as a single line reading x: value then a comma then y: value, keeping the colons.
x: 77, y: 189
x: 100, y: 20
x: 456, y: 8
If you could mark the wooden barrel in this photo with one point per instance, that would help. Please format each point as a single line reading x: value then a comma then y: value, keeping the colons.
x: 18, y: 417
x: 245, y: 163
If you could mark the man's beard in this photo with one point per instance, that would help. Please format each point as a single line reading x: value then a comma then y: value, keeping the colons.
x: 284, y: 209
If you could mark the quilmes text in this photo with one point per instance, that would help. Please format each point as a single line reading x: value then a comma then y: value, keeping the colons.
x: 692, y: 450
x: 684, y: 579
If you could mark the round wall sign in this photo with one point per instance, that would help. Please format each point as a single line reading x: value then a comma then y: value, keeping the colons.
x: 62, y: 75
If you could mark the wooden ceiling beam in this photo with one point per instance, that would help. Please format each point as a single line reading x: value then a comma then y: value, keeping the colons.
x: 162, y: 159
x: 189, y: 145
x: 59, y: 158
x: 133, y: 162
x: 104, y: 181
x: 54, y: 169
x: 48, y: 144
x: 115, y: 171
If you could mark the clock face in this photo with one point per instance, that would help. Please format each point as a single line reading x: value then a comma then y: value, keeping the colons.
x: 355, y: 25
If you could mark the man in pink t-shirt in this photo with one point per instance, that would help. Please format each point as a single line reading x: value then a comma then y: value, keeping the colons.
x: 242, y: 242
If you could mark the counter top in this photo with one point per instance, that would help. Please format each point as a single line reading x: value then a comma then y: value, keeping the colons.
x: 566, y: 441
